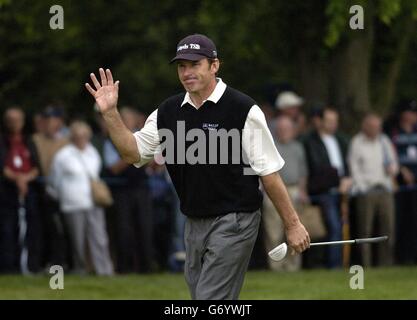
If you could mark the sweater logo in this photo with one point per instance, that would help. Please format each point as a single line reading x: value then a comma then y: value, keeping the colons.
x: 210, y: 126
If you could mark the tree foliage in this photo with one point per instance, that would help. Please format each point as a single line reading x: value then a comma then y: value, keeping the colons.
x: 259, y: 42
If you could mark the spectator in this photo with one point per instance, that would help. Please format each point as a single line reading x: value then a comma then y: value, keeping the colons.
x: 48, y: 142
x: 140, y: 119
x: 404, y: 137
x: 177, y: 252
x: 4, y: 264
x: 99, y: 139
x: 294, y: 175
x: 289, y: 104
x: 270, y: 115
x: 38, y: 123
x: 51, y: 139
x: 373, y: 166
x: 100, y: 136
x: 133, y: 206
x: 163, y: 212
x: 175, y: 231
x: 315, y: 117
x: 19, y: 170
x: 326, y: 152
x: 69, y: 182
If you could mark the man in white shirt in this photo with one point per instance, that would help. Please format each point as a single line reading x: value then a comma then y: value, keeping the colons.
x: 221, y: 201
x: 373, y: 166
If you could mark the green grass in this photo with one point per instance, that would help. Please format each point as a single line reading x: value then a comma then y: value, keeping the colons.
x: 383, y: 283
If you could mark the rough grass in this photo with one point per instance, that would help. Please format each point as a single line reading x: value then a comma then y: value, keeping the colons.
x: 383, y: 283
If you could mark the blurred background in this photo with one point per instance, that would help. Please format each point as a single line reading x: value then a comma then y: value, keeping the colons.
x: 307, y: 45
x: 309, y: 72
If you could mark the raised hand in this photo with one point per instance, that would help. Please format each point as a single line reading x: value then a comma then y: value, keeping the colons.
x: 106, y: 93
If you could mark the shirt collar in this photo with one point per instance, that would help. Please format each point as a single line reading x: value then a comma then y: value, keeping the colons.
x: 214, y: 97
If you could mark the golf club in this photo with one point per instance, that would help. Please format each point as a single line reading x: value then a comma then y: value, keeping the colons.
x: 279, y: 252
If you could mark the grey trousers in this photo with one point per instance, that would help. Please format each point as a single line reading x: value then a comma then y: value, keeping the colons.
x: 89, y: 227
x: 218, y: 251
x: 381, y: 206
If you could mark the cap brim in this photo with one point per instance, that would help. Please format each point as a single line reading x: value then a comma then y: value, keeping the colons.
x: 188, y: 56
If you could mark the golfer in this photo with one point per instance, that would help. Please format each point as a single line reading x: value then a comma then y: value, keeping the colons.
x: 222, y: 201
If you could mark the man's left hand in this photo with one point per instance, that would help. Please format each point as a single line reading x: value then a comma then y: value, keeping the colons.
x: 297, y: 237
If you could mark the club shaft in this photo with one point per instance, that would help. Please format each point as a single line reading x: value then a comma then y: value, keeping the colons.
x: 364, y: 240
x: 331, y: 243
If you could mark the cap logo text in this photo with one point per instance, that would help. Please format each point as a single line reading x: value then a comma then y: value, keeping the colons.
x: 190, y: 46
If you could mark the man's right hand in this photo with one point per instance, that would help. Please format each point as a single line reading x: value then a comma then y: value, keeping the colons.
x: 106, y: 93
x: 407, y: 175
x: 345, y: 185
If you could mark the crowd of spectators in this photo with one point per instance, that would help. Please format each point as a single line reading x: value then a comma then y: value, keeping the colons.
x: 361, y: 186
x: 364, y: 185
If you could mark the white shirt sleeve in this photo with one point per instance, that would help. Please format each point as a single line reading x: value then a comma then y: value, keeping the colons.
x: 258, y: 144
x: 147, y: 139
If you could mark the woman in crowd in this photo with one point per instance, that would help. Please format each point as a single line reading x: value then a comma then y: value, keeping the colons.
x: 72, y: 168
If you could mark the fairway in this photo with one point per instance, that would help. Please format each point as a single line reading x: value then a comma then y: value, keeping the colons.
x: 379, y: 283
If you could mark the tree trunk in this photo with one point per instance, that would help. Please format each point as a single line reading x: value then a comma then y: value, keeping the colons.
x: 349, y: 78
x: 386, y: 88
x: 312, y: 78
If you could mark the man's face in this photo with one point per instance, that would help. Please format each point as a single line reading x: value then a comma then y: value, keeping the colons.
x: 39, y: 123
x: 80, y: 138
x: 130, y: 119
x: 285, y: 129
x: 409, y: 117
x: 291, y: 112
x: 330, y: 121
x: 53, y: 125
x: 372, y: 126
x: 14, y: 120
x: 195, y: 76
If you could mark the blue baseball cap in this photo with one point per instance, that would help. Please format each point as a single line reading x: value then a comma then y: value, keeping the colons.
x: 53, y: 111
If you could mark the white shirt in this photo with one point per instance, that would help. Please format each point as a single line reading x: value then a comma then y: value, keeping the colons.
x: 257, y: 141
x: 366, y: 161
x: 69, y: 181
x: 333, y: 150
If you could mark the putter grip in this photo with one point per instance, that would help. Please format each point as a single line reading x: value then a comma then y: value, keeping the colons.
x: 371, y: 240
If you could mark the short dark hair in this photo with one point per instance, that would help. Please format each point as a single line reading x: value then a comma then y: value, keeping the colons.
x: 370, y: 114
x: 211, y: 61
x: 406, y: 105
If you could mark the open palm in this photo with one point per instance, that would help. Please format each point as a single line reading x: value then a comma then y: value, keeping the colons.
x: 106, y: 93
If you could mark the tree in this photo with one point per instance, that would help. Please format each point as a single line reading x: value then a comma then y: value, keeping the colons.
x: 368, y: 63
x: 305, y: 43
